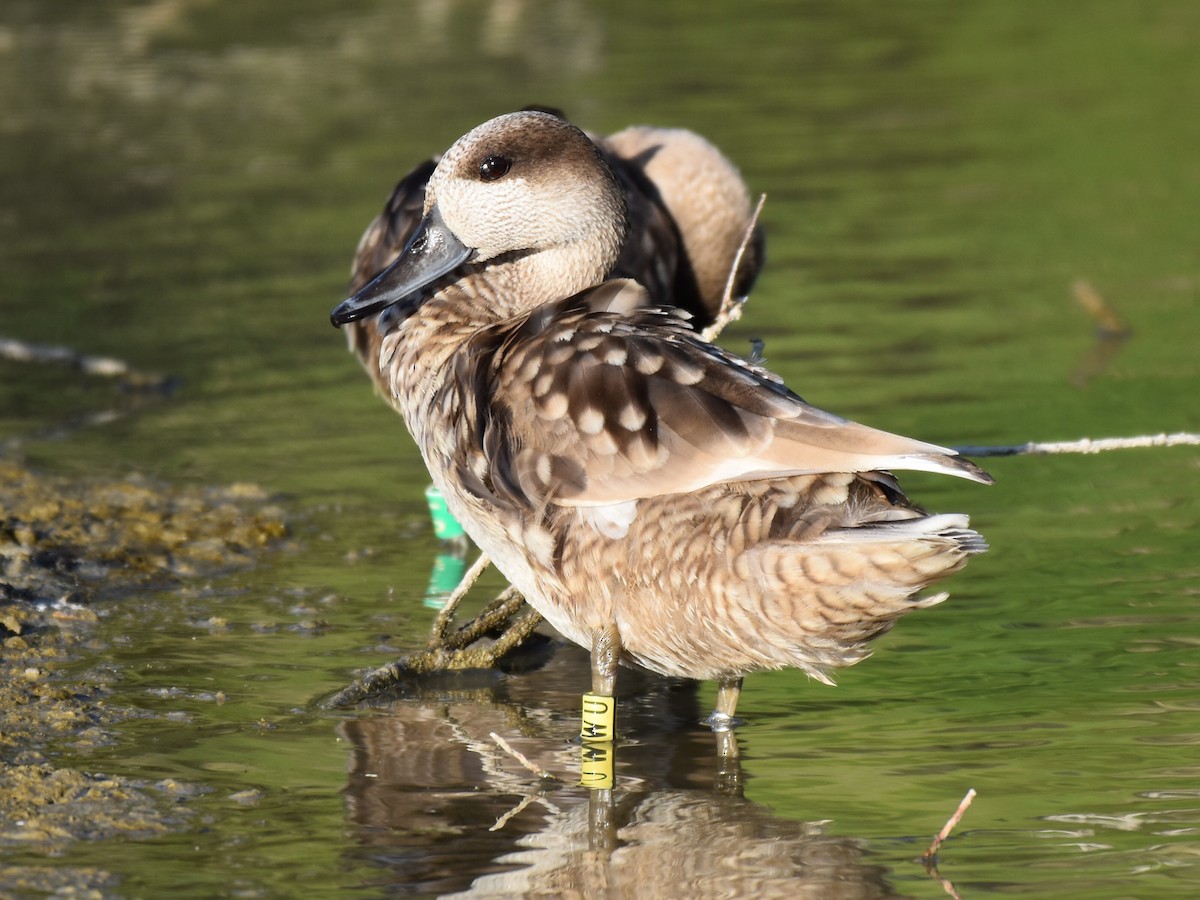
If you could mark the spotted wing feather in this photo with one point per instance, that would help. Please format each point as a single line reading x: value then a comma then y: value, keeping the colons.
x: 610, y: 407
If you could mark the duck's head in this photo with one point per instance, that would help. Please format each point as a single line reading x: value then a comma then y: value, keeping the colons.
x: 526, y: 190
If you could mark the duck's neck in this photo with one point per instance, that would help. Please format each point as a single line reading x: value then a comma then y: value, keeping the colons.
x: 416, y: 358
x: 525, y: 282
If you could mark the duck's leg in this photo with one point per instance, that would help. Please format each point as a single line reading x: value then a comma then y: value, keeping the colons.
x: 722, y: 718
x: 599, y: 711
x: 606, y: 653
x: 599, y: 706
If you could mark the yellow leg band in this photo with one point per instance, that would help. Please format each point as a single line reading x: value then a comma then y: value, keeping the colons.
x: 596, y: 767
x: 598, y: 714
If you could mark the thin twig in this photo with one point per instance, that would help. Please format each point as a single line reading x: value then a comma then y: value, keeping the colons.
x: 444, y: 616
x: 931, y: 854
x: 516, y: 810
x: 545, y: 802
x: 946, y: 883
x: 1112, y: 332
x: 523, y: 759
x: 1086, y: 445
x: 1107, y: 319
x: 731, y: 306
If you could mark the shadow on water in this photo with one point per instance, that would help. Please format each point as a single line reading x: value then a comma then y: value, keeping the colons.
x: 426, y: 775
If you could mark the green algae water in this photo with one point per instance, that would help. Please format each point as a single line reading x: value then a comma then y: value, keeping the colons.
x: 182, y: 186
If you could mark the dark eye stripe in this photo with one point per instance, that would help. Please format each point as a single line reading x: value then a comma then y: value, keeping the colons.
x: 494, y: 167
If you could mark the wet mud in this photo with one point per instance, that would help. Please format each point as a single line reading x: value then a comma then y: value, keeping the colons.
x: 64, y: 545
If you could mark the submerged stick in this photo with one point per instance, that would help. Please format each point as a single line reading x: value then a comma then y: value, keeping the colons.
x: 929, y: 855
x: 1112, y: 332
x: 1086, y: 445
x: 104, y: 366
x: 446, y: 657
x: 503, y: 607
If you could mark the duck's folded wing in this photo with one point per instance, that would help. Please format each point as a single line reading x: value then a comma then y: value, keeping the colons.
x: 652, y: 252
x: 604, y: 408
x: 389, y: 231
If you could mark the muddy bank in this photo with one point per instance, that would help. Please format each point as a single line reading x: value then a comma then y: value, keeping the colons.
x: 63, y: 545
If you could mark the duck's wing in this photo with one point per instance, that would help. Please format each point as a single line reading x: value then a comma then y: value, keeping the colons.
x: 592, y: 401
x: 389, y: 231
x: 653, y: 254
x: 377, y: 249
x: 702, y: 196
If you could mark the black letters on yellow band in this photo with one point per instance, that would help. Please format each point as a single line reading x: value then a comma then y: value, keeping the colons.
x: 598, y: 716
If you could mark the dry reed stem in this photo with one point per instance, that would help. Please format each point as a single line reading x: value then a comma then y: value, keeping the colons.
x: 1105, y: 317
x: 731, y: 306
x: 1086, y: 445
x: 931, y: 854
x: 532, y: 767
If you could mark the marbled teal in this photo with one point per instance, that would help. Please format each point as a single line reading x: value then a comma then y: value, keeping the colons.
x: 661, y: 501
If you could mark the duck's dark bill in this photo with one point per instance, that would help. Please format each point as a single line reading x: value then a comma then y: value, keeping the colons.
x: 432, y: 252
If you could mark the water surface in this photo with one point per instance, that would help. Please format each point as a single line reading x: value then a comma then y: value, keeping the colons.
x: 182, y: 185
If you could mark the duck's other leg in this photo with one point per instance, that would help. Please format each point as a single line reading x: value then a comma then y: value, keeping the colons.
x: 722, y: 718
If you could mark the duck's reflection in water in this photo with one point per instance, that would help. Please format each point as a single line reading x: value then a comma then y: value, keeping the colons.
x: 438, y: 804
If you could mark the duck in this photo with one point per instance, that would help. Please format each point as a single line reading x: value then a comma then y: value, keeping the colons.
x: 662, y: 502
x: 689, y: 214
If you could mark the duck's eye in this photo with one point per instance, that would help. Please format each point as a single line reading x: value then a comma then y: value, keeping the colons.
x: 494, y: 167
